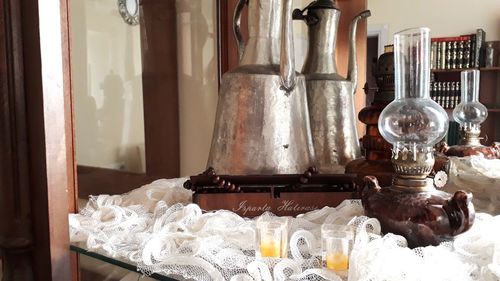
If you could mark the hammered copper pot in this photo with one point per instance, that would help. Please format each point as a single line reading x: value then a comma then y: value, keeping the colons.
x: 330, y: 96
x: 262, y: 123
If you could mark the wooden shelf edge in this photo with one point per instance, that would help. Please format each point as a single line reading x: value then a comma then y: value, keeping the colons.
x: 494, y: 68
x: 451, y: 70
x: 491, y: 69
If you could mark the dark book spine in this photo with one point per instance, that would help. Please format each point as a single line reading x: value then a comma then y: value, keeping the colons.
x: 466, y: 60
x: 451, y: 134
x: 433, y: 91
x: 449, y: 51
x: 439, y: 93
x: 443, y: 55
x: 446, y: 103
x: 451, y: 95
x: 460, y: 57
x: 454, y: 55
x: 433, y: 54
x: 442, y: 96
x: 480, y: 44
x: 438, y: 55
x: 473, y: 51
x: 455, y: 133
x: 449, y: 137
x: 456, y: 95
x: 459, y: 93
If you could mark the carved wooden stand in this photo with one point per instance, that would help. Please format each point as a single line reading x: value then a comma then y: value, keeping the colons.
x: 284, y: 195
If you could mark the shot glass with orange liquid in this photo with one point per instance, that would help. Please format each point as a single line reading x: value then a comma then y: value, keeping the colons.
x: 272, y: 238
x: 336, y: 243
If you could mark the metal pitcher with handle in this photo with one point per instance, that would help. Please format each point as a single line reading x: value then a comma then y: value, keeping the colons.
x: 329, y: 95
x: 262, y: 124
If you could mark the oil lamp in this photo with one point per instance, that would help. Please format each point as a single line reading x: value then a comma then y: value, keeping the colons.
x: 376, y: 151
x: 413, y: 123
x: 470, y: 113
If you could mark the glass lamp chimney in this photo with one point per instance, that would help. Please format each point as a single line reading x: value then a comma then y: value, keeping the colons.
x: 413, y: 122
x: 470, y: 113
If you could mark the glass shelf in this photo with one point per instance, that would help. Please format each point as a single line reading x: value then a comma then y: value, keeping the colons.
x: 80, y: 248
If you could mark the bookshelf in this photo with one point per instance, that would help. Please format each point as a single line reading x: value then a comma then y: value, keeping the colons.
x: 489, y: 95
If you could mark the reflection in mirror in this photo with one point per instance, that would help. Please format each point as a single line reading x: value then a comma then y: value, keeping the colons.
x: 198, y: 84
x: 107, y: 87
x: 132, y: 6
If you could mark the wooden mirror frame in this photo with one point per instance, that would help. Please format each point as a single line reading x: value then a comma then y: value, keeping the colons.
x: 37, y: 187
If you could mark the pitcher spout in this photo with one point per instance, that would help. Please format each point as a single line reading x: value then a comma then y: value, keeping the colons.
x: 352, y: 73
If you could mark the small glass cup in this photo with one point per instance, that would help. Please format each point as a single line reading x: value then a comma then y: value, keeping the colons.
x: 335, y: 230
x: 272, y: 238
x: 337, y: 254
x: 336, y: 243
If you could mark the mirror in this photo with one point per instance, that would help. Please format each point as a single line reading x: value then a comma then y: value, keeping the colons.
x: 107, y: 88
x: 117, y: 107
x: 132, y: 6
x: 198, y: 81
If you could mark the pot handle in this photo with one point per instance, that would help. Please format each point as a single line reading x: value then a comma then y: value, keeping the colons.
x: 287, y: 59
x: 237, y: 27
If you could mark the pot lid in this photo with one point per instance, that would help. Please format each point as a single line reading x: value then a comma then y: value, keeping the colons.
x: 322, y: 4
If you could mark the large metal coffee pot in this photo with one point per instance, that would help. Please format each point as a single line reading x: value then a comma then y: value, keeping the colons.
x: 262, y: 124
x: 330, y: 96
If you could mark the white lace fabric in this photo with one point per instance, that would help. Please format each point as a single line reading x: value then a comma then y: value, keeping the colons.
x: 159, y: 229
x: 479, y: 176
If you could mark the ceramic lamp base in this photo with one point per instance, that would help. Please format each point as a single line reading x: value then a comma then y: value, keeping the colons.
x: 488, y: 152
x: 423, y: 217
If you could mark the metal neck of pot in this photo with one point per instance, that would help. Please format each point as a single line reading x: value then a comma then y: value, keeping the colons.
x: 322, y: 40
x: 264, y: 27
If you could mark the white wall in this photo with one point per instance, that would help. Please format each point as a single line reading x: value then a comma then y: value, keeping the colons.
x: 443, y: 17
x: 107, y: 86
x: 198, y: 85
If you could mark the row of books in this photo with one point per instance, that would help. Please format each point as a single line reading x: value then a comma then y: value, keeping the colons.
x: 453, y: 136
x: 446, y: 94
x: 465, y: 51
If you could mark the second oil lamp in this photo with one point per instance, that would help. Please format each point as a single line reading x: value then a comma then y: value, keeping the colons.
x: 413, y: 123
x: 470, y: 113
